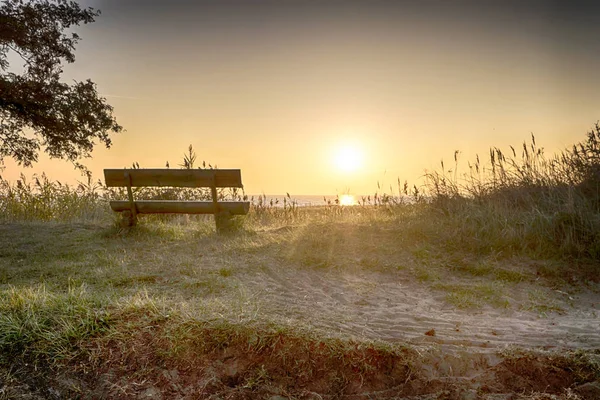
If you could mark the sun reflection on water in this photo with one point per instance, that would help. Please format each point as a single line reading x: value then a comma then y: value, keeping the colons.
x: 347, y: 200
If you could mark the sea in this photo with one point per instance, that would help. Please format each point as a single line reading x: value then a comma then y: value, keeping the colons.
x: 322, y: 200
x: 305, y: 200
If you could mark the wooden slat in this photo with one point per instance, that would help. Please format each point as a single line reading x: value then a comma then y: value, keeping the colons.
x: 174, y: 177
x: 181, y: 207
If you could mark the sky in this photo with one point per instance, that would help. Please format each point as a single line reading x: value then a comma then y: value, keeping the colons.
x: 332, y: 97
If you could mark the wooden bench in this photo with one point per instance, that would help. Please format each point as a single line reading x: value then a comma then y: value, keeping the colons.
x: 179, y: 178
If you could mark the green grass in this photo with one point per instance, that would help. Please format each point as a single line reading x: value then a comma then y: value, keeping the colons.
x: 474, y: 295
x: 43, y: 324
x: 541, y: 302
x: 424, y: 273
x: 509, y: 276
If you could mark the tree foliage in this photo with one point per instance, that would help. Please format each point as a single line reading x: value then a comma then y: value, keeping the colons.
x: 38, y: 110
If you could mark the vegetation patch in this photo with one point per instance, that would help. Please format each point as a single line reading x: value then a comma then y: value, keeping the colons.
x: 143, y: 352
x: 475, y: 295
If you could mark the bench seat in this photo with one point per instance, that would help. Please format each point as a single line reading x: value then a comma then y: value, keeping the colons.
x: 181, y: 207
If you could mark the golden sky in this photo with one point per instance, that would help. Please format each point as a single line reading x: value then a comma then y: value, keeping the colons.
x: 281, y: 88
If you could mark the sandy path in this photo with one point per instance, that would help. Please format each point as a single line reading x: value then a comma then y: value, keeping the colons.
x: 381, y: 306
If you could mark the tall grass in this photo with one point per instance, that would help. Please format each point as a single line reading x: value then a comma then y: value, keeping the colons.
x: 44, y: 200
x: 516, y: 201
x: 524, y: 200
x: 33, y: 320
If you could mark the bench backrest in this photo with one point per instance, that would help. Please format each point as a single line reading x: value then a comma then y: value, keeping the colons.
x: 216, y: 178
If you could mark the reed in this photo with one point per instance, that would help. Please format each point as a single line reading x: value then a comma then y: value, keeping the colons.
x: 43, y: 200
x: 524, y: 201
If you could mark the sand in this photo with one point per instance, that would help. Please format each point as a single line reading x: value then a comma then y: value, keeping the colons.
x: 377, y: 305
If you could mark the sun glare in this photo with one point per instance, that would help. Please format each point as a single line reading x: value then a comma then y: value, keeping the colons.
x: 348, y: 158
x: 347, y: 200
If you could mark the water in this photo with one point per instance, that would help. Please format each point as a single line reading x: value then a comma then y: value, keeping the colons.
x: 307, y: 200
x: 324, y: 200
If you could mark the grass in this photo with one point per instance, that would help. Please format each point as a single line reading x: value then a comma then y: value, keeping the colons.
x: 468, y: 296
x: 542, y: 303
x: 426, y: 274
x: 40, y: 323
x: 81, y: 296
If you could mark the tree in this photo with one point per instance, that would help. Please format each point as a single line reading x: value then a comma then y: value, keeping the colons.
x: 37, y: 110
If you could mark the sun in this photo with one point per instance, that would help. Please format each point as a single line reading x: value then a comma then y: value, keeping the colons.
x: 348, y: 158
x: 347, y: 200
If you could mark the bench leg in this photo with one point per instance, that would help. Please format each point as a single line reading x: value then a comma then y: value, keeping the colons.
x: 224, y: 222
x: 128, y: 219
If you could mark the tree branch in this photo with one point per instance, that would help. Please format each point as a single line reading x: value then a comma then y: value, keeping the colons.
x: 27, y: 60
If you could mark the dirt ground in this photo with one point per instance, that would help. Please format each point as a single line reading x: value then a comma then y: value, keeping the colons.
x: 379, y: 305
